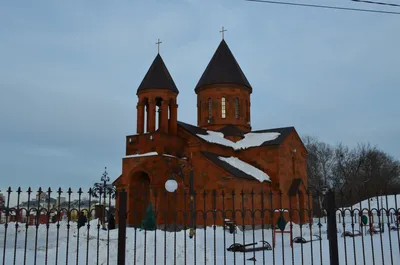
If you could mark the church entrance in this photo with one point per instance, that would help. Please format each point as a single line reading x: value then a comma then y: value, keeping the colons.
x: 140, y: 197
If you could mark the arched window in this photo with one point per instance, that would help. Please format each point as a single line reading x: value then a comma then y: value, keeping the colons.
x: 237, y: 108
x: 223, y: 108
x: 209, y: 108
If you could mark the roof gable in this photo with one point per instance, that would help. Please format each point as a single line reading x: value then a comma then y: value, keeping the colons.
x: 284, y: 132
x: 298, y: 138
x: 223, y: 69
x: 158, y: 77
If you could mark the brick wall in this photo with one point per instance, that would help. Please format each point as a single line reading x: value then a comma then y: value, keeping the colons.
x: 276, y: 161
x: 230, y: 93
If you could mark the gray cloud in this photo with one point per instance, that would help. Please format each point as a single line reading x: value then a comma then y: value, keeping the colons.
x: 68, y: 77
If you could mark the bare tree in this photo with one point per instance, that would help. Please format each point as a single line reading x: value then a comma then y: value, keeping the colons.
x: 320, y: 162
x: 355, y: 173
x: 382, y: 172
x: 363, y: 172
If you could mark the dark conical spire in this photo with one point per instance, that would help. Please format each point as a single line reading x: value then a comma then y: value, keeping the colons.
x: 223, y: 69
x: 158, y: 77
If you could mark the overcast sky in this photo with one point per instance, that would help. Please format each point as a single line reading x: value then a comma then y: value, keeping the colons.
x: 69, y: 73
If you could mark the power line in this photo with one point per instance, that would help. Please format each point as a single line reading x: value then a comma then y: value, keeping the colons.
x: 324, y: 6
x: 376, y: 3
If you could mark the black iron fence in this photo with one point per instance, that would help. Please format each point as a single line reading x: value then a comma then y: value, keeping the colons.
x: 223, y: 227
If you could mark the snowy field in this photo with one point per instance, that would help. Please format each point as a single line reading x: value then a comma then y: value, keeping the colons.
x: 159, y: 247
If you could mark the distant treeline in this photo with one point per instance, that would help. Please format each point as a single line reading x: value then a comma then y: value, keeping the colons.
x: 354, y: 173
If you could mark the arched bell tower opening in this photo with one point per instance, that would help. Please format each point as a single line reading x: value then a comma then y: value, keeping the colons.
x: 163, y: 113
x: 145, y: 117
x: 158, y: 112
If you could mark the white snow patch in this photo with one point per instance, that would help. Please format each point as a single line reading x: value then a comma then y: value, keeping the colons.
x: 249, y: 140
x: 380, y: 202
x: 247, y: 168
x: 281, y: 210
x: 389, y: 202
x: 179, y: 249
x: 169, y: 155
x: 142, y: 155
x: 148, y: 154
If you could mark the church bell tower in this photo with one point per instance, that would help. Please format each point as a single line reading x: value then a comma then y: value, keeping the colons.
x: 157, y: 108
x: 223, y: 93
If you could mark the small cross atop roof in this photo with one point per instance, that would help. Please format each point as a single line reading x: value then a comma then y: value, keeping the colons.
x: 158, y: 44
x: 223, y: 31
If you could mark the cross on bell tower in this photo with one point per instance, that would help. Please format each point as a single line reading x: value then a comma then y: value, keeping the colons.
x: 223, y: 31
x: 158, y: 44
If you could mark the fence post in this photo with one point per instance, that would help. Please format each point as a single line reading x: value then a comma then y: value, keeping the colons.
x: 332, y: 228
x: 122, y: 227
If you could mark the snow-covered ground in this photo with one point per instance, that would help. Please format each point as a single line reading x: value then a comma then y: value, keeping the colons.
x: 178, y: 248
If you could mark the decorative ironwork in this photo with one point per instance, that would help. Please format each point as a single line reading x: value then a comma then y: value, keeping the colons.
x: 103, y: 188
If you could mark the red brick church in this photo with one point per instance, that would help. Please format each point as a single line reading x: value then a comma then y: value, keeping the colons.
x: 221, y: 151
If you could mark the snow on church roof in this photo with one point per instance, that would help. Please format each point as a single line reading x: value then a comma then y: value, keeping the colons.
x: 147, y: 154
x: 233, y: 165
x: 252, y: 139
x: 142, y: 155
x: 236, y: 167
x: 249, y: 140
x: 247, y: 168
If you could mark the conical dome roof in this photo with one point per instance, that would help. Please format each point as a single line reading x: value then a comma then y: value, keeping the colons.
x: 158, y: 77
x: 223, y: 69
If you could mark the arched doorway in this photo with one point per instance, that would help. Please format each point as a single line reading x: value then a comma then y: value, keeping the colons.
x: 139, y: 198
